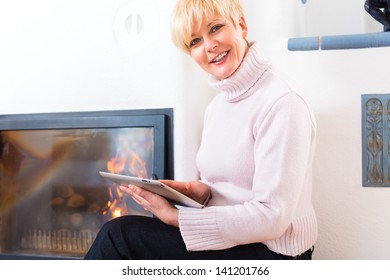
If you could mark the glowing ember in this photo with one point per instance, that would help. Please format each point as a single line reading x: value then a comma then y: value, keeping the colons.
x: 117, y: 213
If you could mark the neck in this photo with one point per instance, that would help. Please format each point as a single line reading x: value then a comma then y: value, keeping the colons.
x: 240, y: 84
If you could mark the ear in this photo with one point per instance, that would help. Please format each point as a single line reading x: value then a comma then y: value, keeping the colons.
x: 243, y: 26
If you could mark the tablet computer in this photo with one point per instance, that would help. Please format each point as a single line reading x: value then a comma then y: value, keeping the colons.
x: 154, y: 186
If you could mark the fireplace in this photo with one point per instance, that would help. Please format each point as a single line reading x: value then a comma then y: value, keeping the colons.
x: 52, y: 199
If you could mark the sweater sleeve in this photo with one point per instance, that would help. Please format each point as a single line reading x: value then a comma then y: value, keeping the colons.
x: 282, y: 155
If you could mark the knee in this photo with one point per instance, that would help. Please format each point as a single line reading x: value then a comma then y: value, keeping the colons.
x: 113, y: 225
x: 123, y: 224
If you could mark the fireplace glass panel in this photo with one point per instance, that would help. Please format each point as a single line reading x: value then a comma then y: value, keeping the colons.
x: 53, y: 200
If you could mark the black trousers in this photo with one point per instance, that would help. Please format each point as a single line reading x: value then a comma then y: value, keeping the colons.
x: 146, y: 238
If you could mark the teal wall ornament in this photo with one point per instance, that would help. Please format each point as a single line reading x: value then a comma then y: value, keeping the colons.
x: 375, y: 140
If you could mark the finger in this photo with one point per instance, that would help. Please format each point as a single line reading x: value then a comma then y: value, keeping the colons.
x: 131, y: 190
x: 125, y: 189
x: 167, y: 182
x: 140, y: 200
x: 136, y: 195
x: 137, y: 190
x: 179, y: 186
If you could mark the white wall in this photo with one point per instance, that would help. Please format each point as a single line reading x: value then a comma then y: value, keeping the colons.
x: 80, y: 55
x: 353, y: 220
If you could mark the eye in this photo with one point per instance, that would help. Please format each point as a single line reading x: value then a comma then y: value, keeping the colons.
x: 215, y: 28
x: 194, y: 42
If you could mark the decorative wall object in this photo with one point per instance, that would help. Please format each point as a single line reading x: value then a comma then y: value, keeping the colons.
x: 380, y: 11
x: 377, y: 10
x: 376, y: 140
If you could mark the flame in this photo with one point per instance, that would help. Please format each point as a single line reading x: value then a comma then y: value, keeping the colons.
x: 116, y: 165
x: 134, y: 165
x: 115, y: 208
x: 137, y: 166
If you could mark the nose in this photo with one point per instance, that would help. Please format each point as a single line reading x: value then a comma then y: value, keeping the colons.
x: 211, y: 44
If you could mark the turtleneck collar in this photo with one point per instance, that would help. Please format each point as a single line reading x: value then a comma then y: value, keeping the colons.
x: 240, y: 85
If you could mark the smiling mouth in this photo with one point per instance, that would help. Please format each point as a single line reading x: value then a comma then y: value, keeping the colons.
x: 220, y: 57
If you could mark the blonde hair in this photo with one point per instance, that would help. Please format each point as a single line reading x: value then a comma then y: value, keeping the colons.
x: 188, y: 12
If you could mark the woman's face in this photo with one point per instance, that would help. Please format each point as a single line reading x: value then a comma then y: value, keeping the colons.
x: 218, y: 46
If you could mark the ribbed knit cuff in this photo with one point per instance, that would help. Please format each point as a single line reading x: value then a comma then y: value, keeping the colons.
x: 199, y: 229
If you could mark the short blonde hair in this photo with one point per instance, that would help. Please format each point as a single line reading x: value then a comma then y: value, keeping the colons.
x: 188, y: 12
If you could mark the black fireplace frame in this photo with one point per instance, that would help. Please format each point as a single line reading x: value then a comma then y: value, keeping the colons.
x: 161, y: 119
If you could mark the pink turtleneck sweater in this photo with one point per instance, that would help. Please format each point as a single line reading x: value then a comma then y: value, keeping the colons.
x: 256, y: 155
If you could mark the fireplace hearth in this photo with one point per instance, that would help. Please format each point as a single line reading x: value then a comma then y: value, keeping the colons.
x: 52, y: 199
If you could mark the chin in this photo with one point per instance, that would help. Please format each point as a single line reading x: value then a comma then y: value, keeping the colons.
x: 225, y: 75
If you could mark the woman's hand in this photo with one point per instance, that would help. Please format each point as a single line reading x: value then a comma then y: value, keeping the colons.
x: 197, y: 190
x: 154, y: 203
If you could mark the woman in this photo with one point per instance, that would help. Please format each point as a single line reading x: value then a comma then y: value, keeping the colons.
x: 255, y: 158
